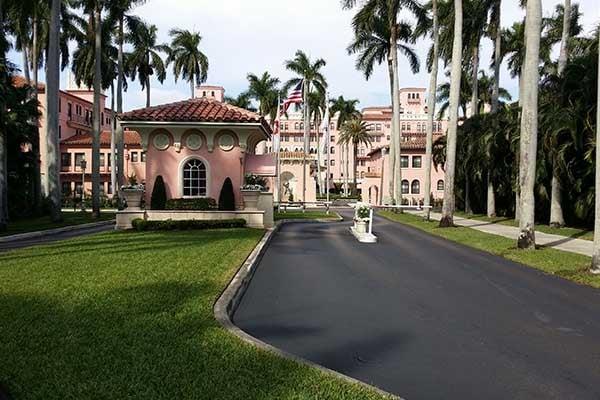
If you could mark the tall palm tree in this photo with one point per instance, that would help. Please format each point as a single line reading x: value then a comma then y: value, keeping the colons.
x: 52, y: 88
x: 557, y: 218
x: 310, y: 74
x: 596, y: 252
x: 389, y: 10
x: 447, y: 219
x: 187, y: 58
x: 4, y: 82
x: 317, y: 104
x: 263, y: 89
x: 529, y: 124
x: 496, y: 34
x: 372, y: 43
x: 355, y: 133
x: 345, y: 110
x: 243, y: 100
x: 145, y: 59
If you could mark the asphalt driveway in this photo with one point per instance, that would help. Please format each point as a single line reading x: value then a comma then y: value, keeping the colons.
x: 422, y: 317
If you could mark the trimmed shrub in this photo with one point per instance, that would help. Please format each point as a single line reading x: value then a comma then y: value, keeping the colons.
x: 226, y: 197
x: 186, y: 224
x: 202, y: 204
x: 158, y: 200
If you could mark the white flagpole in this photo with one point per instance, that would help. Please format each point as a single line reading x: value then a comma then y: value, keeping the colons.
x: 306, y: 140
x: 276, y: 147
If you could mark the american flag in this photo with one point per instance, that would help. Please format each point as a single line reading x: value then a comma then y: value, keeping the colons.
x: 295, y: 96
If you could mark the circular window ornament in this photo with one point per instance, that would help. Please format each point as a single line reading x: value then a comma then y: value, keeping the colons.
x: 193, y: 141
x: 226, y: 142
x: 161, y: 141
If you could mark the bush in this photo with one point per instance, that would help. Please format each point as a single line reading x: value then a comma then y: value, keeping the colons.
x: 226, y: 197
x: 186, y: 224
x: 158, y: 200
x: 201, y: 204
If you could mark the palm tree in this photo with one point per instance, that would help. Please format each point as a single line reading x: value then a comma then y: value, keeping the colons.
x: 52, y: 88
x: 243, y: 100
x: 447, y: 219
x: 529, y: 124
x: 389, y: 10
x: 345, y: 110
x: 310, y: 74
x: 317, y: 102
x: 264, y: 89
x: 355, y: 132
x: 4, y: 83
x: 188, y: 61
x: 596, y: 252
x: 145, y: 59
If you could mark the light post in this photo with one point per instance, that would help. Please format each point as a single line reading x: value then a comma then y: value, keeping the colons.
x: 83, y: 165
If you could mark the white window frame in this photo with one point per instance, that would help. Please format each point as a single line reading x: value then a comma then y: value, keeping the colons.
x: 180, y: 177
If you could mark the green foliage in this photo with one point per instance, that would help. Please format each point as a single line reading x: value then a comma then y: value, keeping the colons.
x: 188, y: 224
x: 227, y: 197
x: 158, y: 199
x: 254, y: 182
x: 200, y: 204
x: 188, y: 61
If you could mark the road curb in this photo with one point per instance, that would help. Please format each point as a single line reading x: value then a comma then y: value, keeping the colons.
x: 50, y: 232
x: 228, y: 301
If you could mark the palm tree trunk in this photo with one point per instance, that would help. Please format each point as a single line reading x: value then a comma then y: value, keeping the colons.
x: 3, y: 150
x: 491, y: 200
x: 596, y: 249
x: 306, y: 136
x: 468, y: 209
x: 148, y: 91
x: 556, y: 213
x: 113, y: 140
x: 37, y: 175
x: 119, y: 164
x: 475, y: 81
x: 447, y: 219
x: 192, y: 85
x: 97, y: 125
x: 529, y: 124
x: 355, y: 165
x: 431, y: 103
x: 392, y: 144
x: 52, y: 96
x: 396, y: 133
x: 26, y: 65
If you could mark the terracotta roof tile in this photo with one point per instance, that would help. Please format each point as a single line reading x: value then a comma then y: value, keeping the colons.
x: 195, y: 110
x: 130, y: 138
x: 19, y: 81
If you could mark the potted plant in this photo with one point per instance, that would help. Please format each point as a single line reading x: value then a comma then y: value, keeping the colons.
x: 362, y: 215
x: 253, y: 185
x: 133, y: 193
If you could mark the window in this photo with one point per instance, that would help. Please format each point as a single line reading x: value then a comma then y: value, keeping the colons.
x: 143, y: 156
x: 69, y: 110
x: 403, y: 161
x: 79, y: 157
x: 59, y: 105
x: 109, y: 191
x: 416, y: 161
x: 65, y: 160
x: 285, y: 126
x: 415, y: 187
x: 403, y: 126
x: 296, y: 126
x: 332, y: 151
x: 204, y: 93
x: 404, y: 186
x: 66, y: 188
x: 194, y: 179
x: 79, y: 188
x: 332, y: 163
x: 378, y: 139
x: 440, y: 185
x: 408, y: 127
x: 212, y: 93
x: 134, y: 156
x: 102, y: 160
x: 59, y: 131
x: 332, y: 139
x: 378, y: 127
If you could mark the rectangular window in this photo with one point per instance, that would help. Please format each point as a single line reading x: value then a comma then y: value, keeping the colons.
x: 59, y: 131
x: 79, y: 157
x: 78, y: 188
x: 403, y: 126
x: 378, y: 127
x: 102, y: 161
x: 109, y: 159
x: 69, y: 110
x: 134, y: 156
x: 59, y: 105
x: 416, y: 161
x: 65, y: 160
x: 110, y: 190
x: 332, y: 139
x: 66, y: 188
x: 403, y: 161
x: 332, y: 163
x: 143, y: 156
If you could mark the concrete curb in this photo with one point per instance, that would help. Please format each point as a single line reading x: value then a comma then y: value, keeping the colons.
x: 50, y: 232
x: 229, y: 300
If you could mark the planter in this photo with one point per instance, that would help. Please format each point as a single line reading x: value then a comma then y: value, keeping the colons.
x: 360, y: 226
x: 250, y: 199
x: 133, y: 197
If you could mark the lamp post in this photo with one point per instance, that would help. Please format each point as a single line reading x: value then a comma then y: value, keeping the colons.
x: 83, y: 165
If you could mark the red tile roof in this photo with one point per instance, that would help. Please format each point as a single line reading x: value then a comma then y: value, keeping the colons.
x: 196, y: 110
x: 130, y: 138
x: 19, y: 81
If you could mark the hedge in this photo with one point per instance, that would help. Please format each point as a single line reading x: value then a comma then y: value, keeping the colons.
x: 186, y: 224
x: 202, y: 204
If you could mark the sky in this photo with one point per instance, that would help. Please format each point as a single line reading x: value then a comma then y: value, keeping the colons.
x: 241, y: 37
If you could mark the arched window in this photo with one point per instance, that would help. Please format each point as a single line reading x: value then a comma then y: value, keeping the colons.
x: 404, y: 186
x: 415, y: 187
x: 332, y: 150
x: 440, y: 185
x: 194, y: 179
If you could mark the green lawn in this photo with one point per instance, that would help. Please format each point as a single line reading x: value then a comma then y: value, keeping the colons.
x: 565, y: 231
x: 130, y: 315
x: 309, y: 214
x: 42, y: 223
x: 567, y: 265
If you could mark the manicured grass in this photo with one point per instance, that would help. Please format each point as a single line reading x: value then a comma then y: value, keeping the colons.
x: 130, y: 315
x: 309, y: 214
x: 43, y: 223
x: 576, y: 233
x: 571, y: 266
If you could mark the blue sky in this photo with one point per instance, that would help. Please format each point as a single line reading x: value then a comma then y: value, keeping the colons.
x: 241, y: 36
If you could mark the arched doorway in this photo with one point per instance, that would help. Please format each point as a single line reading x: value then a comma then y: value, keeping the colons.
x: 373, y: 195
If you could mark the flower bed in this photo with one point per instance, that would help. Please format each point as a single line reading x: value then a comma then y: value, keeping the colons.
x: 202, y: 204
x: 188, y: 224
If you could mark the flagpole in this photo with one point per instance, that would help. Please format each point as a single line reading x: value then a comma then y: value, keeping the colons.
x: 278, y: 159
x: 306, y: 138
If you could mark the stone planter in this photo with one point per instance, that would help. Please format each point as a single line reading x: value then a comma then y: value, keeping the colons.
x: 250, y: 199
x: 133, y: 197
x: 360, y: 226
